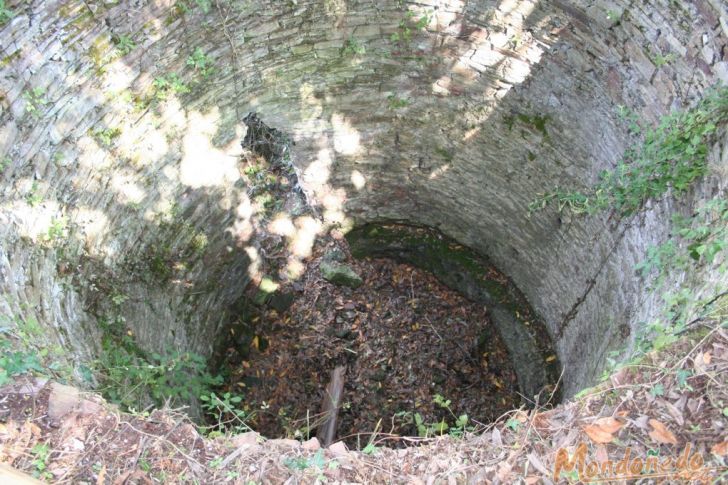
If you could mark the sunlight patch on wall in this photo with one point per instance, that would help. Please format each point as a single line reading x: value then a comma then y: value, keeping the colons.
x: 126, y: 189
x: 204, y: 165
x: 93, y: 225
x: 317, y: 173
x: 32, y: 222
x: 439, y: 171
x: 347, y: 140
x: 242, y: 229
x: 358, y: 179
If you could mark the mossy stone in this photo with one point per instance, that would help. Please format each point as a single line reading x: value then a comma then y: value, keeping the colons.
x: 340, y: 274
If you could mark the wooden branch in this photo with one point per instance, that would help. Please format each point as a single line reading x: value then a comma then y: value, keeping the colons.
x: 330, y: 406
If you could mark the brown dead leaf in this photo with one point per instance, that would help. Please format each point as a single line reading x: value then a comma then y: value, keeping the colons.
x: 720, y: 449
x: 532, y: 480
x: 603, y: 429
x: 707, y: 358
x: 661, y: 434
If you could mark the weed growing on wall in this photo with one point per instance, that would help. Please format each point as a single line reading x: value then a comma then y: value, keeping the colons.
x: 353, y: 48
x: 124, y: 44
x: 167, y: 85
x: 670, y: 158
x: 201, y: 63
x: 409, y: 25
x: 700, y: 239
x: 35, y: 100
x: 5, y: 13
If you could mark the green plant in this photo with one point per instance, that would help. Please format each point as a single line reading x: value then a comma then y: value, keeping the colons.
x: 659, y: 60
x: 201, y: 63
x: 460, y: 426
x: 613, y: 16
x: 14, y: 362
x: 682, y: 377
x: 5, y: 163
x: 438, y: 428
x: 408, y: 24
x: 106, y: 136
x: 513, y: 424
x: 136, y: 379
x: 124, y: 44
x: 370, y: 449
x: 23, y: 350
x: 184, y: 6
x: 34, y: 101
x: 33, y: 198
x: 199, y: 243
x: 41, y: 453
x: 657, y: 390
x: 302, y: 463
x: 224, y: 410
x: 395, y: 102
x: 56, y: 231
x: 352, y: 47
x: 698, y: 240
x: 671, y: 157
x: 5, y: 13
x: 167, y: 85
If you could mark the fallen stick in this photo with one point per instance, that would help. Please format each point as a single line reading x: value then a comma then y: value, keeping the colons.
x: 330, y: 406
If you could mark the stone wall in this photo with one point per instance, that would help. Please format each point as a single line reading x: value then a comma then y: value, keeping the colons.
x: 454, y: 116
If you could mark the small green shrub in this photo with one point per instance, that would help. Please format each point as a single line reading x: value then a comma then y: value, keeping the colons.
x: 353, y: 48
x: 184, y: 6
x: 201, y: 63
x: 23, y: 350
x: 124, y: 44
x: 456, y: 428
x: 5, y: 163
x: 167, y: 85
x: 408, y: 25
x: 698, y: 240
x: 16, y: 362
x: 56, y: 231
x: 659, y: 60
x: 303, y: 463
x: 225, y: 412
x: 136, y: 380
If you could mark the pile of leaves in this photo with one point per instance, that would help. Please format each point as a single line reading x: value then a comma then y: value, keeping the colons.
x: 421, y: 359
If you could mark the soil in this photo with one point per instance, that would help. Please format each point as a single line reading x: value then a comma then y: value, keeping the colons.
x: 405, y: 339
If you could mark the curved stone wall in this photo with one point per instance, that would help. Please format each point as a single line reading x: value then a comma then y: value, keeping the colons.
x: 121, y: 122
